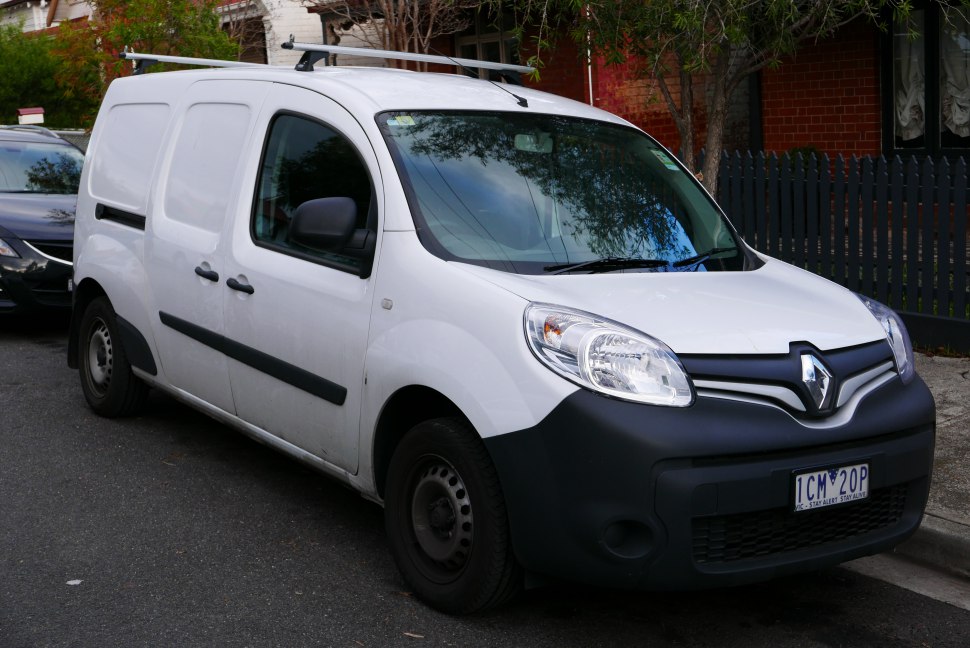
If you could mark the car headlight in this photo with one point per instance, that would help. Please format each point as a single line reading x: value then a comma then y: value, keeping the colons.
x: 897, y: 336
x: 607, y: 357
x: 6, y: 250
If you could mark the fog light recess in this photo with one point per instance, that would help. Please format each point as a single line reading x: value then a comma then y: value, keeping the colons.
x: 628, y: 539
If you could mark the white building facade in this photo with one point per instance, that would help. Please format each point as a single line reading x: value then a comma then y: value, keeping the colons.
x: 261, y: 25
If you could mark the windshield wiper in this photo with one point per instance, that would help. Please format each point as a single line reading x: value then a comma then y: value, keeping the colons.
x: 701, y: 258
x: 604, y: 265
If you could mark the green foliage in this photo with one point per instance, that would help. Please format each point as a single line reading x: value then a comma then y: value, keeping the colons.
x: 89, y: 50
x: 28, y: 68
x: 678, y: 44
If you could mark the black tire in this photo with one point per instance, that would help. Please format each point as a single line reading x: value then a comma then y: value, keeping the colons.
x: 109, y: 386
x: 446, y: 521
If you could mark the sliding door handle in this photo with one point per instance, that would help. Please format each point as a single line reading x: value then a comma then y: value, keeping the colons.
x: 233, y: 283
x: 211, y: 275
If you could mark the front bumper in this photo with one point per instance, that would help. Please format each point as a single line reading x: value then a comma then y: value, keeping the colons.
x: 33, y: 281
x: 625, y: 495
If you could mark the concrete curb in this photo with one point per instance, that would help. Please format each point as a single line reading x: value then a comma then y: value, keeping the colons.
x: 941, y: 543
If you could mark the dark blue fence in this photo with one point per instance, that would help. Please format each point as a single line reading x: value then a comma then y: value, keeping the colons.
x: 893, y: 230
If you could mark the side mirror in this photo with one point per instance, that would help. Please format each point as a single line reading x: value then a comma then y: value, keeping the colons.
x: 324, y: 223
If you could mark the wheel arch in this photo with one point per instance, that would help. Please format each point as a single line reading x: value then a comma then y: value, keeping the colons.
x: 403, y: 410
x: 136, y: 347
x: 84, y: 293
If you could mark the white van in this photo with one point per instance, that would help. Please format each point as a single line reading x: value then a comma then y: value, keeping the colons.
x: 514, y: 320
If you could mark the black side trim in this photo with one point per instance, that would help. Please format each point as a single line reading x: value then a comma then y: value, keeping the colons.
x: 136, y: 347
x: 284, y: 371
x: 103, y: 212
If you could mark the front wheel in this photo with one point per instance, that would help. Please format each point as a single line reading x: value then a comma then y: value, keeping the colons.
x: 109, y: 386
x: 446, y: 521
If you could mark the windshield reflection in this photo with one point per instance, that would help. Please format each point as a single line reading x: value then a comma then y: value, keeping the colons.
x: 528, y: 192
x: 39, y: 168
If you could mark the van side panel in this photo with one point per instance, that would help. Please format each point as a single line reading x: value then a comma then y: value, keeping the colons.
x: 121, y: 169
x: 195, y: 193
x: 116, y: 180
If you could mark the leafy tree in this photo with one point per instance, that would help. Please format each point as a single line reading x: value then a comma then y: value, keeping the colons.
x: 28, y: 68
x: 401, y: 25
x: 686, y: 46
x: 89, y: 49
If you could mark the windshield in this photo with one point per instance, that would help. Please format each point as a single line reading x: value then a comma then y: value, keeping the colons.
x: 39, y: 167
x: 536, y: 194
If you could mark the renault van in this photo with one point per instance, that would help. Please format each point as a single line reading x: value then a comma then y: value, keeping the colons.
x: 513, y: 320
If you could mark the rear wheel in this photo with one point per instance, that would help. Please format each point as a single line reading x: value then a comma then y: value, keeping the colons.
x: 446, y: 520
x: 109, y: 386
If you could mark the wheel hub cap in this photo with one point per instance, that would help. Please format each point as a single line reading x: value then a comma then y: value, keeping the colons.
x: 442, y: 516
x: 100, y: 356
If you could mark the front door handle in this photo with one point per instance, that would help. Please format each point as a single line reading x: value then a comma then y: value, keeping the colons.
x: 211, y: 275
x: 233, y: 283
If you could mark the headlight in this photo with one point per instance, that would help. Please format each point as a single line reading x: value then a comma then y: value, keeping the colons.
x: 896, y: 334
x: 607, y: 357
x: 6, y: 250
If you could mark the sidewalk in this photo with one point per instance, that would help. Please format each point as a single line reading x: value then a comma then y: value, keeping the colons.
x: 943, y: 540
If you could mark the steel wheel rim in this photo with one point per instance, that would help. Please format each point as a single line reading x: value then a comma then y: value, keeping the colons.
x: 100, y: 353
x: 441, y: 516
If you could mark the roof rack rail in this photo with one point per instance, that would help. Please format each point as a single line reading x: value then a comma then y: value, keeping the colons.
x: 30, y: 127
x: 145, y: 60
x: 313, y: 53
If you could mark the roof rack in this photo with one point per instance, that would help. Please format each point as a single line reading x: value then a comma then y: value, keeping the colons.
x: 313, y: 53
x: 31, y: 128
x: 145, y: 60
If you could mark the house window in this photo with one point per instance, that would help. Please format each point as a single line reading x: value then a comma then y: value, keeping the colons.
x: 488, y: 38
x: 929, y: 103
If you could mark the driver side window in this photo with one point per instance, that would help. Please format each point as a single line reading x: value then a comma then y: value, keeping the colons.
x: 304, y: 160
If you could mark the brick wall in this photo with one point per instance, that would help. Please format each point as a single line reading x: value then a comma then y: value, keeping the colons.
x: 826, y: 96
x: 564, y: 71
x: 621, y: 90
x: 616, y: 88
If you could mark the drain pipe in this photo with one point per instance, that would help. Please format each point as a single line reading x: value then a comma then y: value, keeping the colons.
x: 589, y: 59
x: 50, y: 12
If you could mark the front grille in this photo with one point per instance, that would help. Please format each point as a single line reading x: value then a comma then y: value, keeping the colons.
x: 730, y: 538
x: 59, y: 250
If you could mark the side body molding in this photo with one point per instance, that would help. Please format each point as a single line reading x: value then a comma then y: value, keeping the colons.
x: 284, y: 371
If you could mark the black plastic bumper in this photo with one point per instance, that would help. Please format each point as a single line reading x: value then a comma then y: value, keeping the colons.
x: 625, y: 495
x: 28, y: 284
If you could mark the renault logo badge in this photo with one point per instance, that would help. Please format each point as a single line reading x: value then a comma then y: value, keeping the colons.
x: 818, y: 380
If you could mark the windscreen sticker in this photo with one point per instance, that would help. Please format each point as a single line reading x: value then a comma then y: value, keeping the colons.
x: 401, y: 120
x: 664, y: 160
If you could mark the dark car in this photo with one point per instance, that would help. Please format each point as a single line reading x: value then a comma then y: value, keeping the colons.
x: 39, y: 175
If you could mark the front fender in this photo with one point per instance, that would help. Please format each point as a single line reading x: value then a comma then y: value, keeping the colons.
x: 437, y: 326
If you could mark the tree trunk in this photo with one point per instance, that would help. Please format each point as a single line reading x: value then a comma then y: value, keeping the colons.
x: 716, y: 118
x: 682, y: 113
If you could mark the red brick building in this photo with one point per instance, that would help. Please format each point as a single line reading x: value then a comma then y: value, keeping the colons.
x: 863, y: 91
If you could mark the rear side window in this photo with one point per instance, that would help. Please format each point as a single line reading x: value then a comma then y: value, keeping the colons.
x: 305, y: 160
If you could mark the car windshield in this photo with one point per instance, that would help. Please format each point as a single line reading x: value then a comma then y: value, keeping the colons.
x: 535, y: 194
x: 39, y: 167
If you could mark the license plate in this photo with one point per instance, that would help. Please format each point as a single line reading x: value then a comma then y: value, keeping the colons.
x: 831, y: 486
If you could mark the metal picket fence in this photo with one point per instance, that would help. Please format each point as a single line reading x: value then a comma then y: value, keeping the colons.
x: 893, y: 230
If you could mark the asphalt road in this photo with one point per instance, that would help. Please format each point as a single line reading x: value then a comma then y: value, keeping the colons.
x: 171, y: 530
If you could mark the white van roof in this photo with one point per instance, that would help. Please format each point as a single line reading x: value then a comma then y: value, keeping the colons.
x: 365, y: 90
